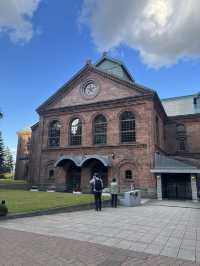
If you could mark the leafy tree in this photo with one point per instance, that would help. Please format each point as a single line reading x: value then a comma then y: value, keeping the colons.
x: 9, y: 164
x: 2, y: 155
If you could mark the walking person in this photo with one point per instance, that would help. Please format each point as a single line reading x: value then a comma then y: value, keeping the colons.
x: 97, y: 185
x: 114, y: 191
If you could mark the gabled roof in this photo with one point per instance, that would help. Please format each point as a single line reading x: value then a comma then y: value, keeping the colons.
x: 114, y: 67
x: 88, y: 67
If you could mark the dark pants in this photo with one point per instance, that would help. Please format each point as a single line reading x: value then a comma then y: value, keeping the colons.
x: 97, y: 198
x: 114, y: 200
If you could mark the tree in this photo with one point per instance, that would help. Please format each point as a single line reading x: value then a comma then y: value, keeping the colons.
x: 9, y: 164
x: 2, y: 155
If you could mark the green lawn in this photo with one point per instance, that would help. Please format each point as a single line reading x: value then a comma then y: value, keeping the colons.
x: 20, y: 201
x: 12, y: 181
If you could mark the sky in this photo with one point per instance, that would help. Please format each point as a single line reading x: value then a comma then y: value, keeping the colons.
x: 44, y: 42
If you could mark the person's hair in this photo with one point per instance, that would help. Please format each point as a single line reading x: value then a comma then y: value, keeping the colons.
x: 95, y: 174
x: 114, y: 179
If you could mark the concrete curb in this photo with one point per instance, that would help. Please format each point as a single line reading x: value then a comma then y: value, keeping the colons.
x: 81, y: 207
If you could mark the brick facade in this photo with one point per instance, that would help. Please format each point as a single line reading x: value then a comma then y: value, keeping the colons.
x: 154, y: 132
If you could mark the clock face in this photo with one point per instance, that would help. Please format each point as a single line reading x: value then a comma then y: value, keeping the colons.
x: 89, y: 89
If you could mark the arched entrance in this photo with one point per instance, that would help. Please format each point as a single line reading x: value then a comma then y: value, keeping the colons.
x: 79, y: 169
x: 73, y: 178
x: 72, y: 174
x: 96, y: 166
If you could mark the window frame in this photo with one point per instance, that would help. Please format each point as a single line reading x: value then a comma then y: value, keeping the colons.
x: 103, y: 134
x: 51, y: 132
x: 130, y: 131
x: 75, y: 140
x: 181, y: 137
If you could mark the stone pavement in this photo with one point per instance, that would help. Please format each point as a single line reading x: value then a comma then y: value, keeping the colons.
x: 19, y: 248
x: 176, y: 203
x: 152, y: 229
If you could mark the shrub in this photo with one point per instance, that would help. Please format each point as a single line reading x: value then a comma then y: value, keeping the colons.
x: 3, y: 209
x: 2, y: 176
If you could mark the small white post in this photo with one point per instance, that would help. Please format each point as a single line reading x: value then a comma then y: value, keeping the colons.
x: 194, y: 188
x: 159, y: 187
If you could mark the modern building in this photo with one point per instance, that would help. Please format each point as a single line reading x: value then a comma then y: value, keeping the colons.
x: 103, y: 121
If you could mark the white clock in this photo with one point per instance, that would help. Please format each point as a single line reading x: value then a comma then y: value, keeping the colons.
x: 89, y: 89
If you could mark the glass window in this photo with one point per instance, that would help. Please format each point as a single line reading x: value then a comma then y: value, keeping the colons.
x: 75, y: 132
x: 180, y: 129
x: 54, y: 134
x: 127, y: 127
x: 181, y: 137
x: 99, y: 130
x: 128, y: 174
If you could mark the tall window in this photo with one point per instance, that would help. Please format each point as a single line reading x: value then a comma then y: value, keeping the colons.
x: 99, y: 130
x: 75, y: 132
x: 54, y: 134
x: 127, y: 127
x: 181, y: 137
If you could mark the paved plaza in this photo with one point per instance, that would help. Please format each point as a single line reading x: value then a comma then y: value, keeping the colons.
x: 150, y: 231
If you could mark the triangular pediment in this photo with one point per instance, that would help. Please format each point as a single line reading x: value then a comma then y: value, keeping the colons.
x: 110, y: 87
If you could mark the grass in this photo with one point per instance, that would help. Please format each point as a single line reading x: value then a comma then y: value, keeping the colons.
x: 7, y: 175
x: 20, y: 201
x: 12, y: 181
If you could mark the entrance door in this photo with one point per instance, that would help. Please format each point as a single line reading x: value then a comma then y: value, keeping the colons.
x: 176, y: 186
x: 73, y: 179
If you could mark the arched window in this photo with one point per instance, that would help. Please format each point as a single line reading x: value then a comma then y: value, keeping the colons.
x: 99, y: 130
x: 180, y: 129
x: 75, y: 132
x: 127, y: 127
x: 54, y: 134
x: 128, y: 174
x: 181, y: 137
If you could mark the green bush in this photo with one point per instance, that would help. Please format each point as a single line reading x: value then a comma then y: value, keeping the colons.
x: 3, y: 209
x: 2, y: 176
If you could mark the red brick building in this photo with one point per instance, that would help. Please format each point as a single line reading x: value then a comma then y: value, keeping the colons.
x: 102, y: 121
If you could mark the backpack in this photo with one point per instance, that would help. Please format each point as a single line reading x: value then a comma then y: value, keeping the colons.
x: 98, y: 185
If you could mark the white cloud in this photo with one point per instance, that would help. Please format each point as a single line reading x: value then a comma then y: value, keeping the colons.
x: 15, y: 19
x: 163, y: 31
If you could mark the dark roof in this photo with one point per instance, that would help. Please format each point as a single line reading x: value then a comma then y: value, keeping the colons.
x: 114, y: 67
x: 170, y: 164
x: 35, y: 125
x: 183, y: 105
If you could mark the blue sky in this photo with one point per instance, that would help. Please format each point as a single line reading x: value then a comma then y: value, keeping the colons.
x: 33, y: 68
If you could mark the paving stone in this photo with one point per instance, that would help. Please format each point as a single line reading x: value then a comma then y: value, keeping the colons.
x: 187, y: 254
x: 154, y: 229
x: 170, y: 252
